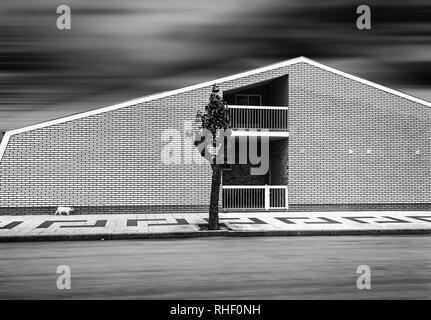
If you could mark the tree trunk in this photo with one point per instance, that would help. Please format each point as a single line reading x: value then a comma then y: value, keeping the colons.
x: 213, y: 223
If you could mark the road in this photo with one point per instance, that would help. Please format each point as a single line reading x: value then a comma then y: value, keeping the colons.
x: 220, y: 268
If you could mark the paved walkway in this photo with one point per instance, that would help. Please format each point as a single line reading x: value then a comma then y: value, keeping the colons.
x: 88, y: 227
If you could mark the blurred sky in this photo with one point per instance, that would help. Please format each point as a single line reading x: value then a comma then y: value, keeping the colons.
x: 121, y: 50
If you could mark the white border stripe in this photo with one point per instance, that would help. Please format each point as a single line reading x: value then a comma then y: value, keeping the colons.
x: 8, y: 134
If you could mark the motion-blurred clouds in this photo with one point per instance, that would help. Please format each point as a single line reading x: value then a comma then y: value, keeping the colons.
x: 119, y: 50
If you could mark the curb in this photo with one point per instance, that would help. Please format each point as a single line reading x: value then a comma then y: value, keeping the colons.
x: 205, y: 234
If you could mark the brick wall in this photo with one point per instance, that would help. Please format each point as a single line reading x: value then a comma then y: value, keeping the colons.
x: 114, y: 158
x: 101, y: 209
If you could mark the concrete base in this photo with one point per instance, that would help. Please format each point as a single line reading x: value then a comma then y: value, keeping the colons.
x: 220, y: 233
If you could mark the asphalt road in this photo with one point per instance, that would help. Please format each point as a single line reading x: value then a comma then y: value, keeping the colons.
x: 220, y: 268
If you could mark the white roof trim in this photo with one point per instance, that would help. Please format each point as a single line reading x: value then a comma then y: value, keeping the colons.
x: 256, y: 133
x: 201, y: 85
x: 369, y: 83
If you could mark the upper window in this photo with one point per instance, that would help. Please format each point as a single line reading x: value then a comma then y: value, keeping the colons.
x: 248, y: 99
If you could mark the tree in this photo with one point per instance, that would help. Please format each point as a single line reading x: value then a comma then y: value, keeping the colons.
x: 211, y: 141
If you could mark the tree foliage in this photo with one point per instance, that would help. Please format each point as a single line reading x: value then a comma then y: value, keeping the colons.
x: 214, y: 119
x: 216, y: 114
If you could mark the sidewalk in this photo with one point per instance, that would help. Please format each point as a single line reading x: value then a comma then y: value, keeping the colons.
x: 164, y: 226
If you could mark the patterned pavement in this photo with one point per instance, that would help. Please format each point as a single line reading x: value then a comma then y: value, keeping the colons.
x: 40, y: 227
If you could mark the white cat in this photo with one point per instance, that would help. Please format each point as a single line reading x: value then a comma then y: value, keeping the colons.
x: 61, y: 210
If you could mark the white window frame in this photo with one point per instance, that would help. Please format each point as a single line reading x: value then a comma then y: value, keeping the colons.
x: 248, y: 98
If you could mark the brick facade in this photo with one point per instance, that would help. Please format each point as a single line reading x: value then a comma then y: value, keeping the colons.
x: 332, y: 115
x: 113, y: 159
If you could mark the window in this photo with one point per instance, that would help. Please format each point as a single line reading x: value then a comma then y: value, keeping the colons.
x: 248, y: 99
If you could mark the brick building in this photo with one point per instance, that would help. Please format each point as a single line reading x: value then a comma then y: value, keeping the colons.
x: 336, y: 142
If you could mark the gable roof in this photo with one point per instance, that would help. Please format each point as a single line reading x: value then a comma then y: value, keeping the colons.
x: 129, y: 103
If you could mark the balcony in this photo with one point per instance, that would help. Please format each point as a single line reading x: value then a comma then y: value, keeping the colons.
x: 256, y: 118
x: 258, y: 197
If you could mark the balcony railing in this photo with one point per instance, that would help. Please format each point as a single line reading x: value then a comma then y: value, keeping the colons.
x: 258, y: 117
x: 264, y: 197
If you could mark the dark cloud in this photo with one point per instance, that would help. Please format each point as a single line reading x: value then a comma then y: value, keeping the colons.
x: 121, y: 50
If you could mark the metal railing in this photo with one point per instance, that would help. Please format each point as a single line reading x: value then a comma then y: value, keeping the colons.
x: 265, y: 197
x: 258, y: 117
